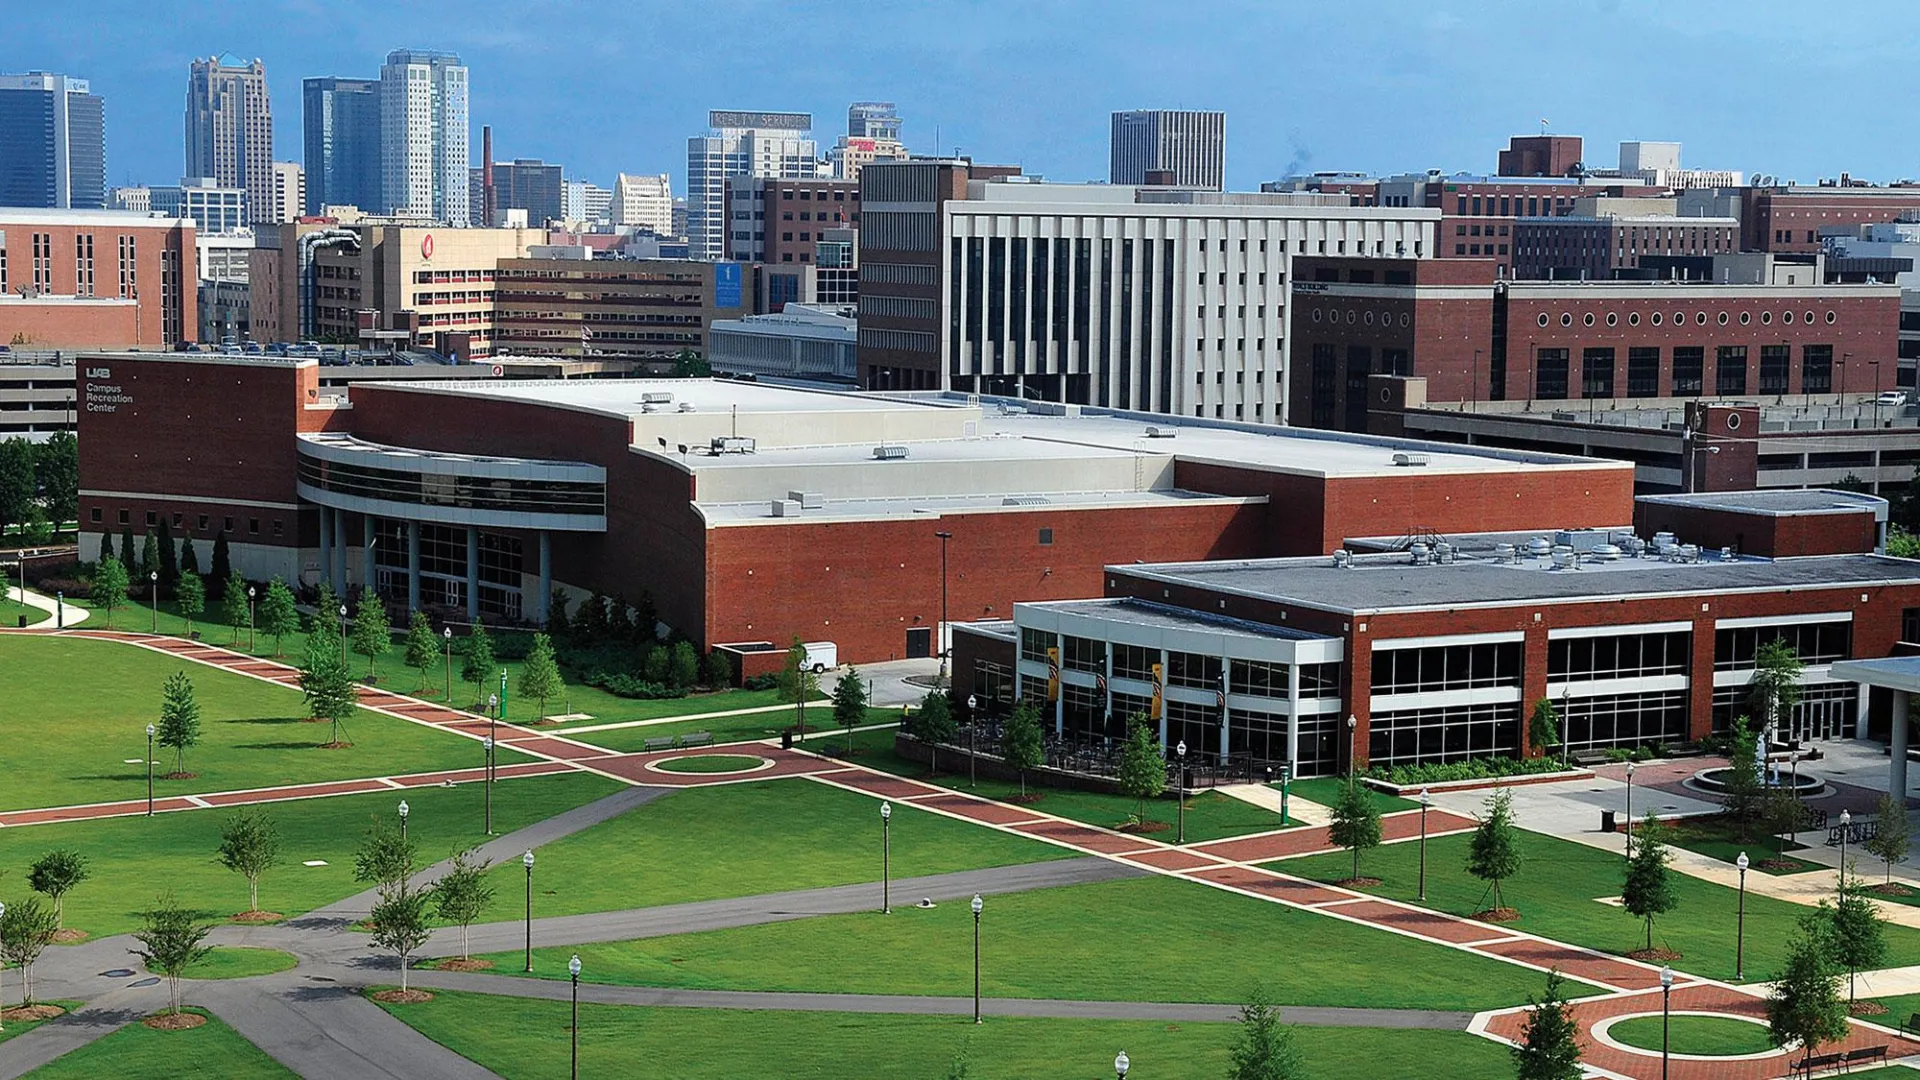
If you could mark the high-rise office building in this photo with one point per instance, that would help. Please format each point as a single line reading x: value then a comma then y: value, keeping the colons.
x: 229, y: 129
x: 1174, y: 147
x: 340, y: 119
x: 765, y: 144
x: 644, y: 201
x: 873, y: 120
x: 53, y: 143
x: 423, y: 135
x: 873, y: 134
x: 521, y: 184
x: 289, y: 192
x: 585, y: 202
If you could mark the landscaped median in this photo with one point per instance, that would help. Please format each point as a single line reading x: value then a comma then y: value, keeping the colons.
x: 209, y: 1049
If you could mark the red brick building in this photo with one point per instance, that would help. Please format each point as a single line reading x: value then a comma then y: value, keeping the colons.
x: 79, y: 279
x: 1474, y: 338
x: 749, y: 512
x: 1540, y: 155
x: 1789, y: 219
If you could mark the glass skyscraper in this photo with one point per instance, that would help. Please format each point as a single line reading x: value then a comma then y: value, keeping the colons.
x: 53, y: 143
x: 340, y: 119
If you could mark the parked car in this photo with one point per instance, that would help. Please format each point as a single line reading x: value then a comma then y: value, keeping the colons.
x: 1894, y: 398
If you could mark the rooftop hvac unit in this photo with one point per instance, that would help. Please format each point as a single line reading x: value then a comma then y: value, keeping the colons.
x: 1582, y: 540
x: 657, y: 397
x: 1443, y: 552
x: 1343, y: 559
x: 1410, y: 460
x: 730, y: 444
x: 889, y: 453
x: 1419, y: 553
x: 1504, y: 553
x: 686, y: 406
x: 1726, y: 554
x: 1162, y: 432
x: 1539, y: 547
x: 1606, y: 553
x: 1026, y: 500
x: 786, y: 508
x: 808, y: 500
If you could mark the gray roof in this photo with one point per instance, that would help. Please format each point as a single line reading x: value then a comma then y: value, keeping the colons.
x: 1165, y: 617
x: 1778, y: 502
x: 1392, y: 582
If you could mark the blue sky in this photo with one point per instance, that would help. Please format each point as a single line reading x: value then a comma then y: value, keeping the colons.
x: 1795, y: 89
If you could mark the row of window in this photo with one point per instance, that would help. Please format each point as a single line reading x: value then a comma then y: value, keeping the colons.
x: 1551, y: 371
x: 1445, y: 667
x: 123, y: 516
x: 1625, y: 656
x: 1386, y: 317
x: 1680, y: 318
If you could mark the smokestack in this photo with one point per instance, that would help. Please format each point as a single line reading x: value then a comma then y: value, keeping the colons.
x: 486, y: 174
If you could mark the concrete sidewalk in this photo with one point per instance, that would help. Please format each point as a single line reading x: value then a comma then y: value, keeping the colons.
x: 1302, y: 811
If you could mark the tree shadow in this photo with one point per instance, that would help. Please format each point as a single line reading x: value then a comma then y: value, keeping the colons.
x: 279, y: 746
x: 266, y: 720
x: 120, y: 777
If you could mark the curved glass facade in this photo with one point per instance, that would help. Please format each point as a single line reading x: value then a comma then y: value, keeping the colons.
x: 497, y: 494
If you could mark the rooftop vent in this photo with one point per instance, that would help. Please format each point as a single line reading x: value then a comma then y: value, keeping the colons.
x: 1443, y: 552
x: 1410, y: 460
x: 1539, y: 547
x: 1419, y: 551
x: 885, y: 452
x: 686, y: 406
x: 1343, y: 559
x: 730, y: 444
x: 808, y: 500
x: 1026, y: 500
x: 786, y: 508
x: 1504, y: 553
x: 657, y: 397
x: 1162, y: 432
x: 1606, y: 553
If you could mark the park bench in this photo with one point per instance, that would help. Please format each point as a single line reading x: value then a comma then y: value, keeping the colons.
x: 1812, y: 1063
x: 697, y: 738
x: 1876, y: 1054
x: 1590, y: 757
x: 665, y: 742
x: 1912, y: 1026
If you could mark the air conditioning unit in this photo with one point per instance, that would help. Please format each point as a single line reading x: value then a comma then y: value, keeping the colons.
x: 1162, y: 432
x: 889, y: 453
x: 1410, y: 460
x: 1026, y: 500
x: 657, y: 397
x: 808, y: 500
x: 731, y: 444
x: 786, y: 508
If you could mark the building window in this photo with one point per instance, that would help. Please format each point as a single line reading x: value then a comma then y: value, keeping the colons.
x: 1257, y: 679
x: 1689, y: 369
x: 1550, y: 374
x: 1046, y: 537
x: 1445, y: 667
x: 1134, y: 662
x: 152, y: 519
x: 1193, y: 670
x: 1419, y: 736
x: 1816, y: 369
x: 1621, y: 656
x: 1730, y: 370
x: 1775, y: 362
x: 1625, y: 719
x: 1084, y: 654
x: 1814, y: 643
x: 1596, y: 373
x: 124, y: 519
x: 1643, y: 371
x: 1909, y: 624
x: 253, y: 526
x: 94, y: 515
x: 1034, y: 644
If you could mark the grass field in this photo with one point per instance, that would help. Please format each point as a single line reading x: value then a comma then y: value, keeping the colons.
x: 744, y: 728
x: 1719, y: 839
x: 132, y: 860
x: 240, y: 962
x: 1326, y: 790
x: 1146, y: 939
x: 1711, y: 1036
x: 1899, y: 1008
x: 1210, y: 815
x: 10, y: 612
x: 713, y: 1044
x: 17, y: 1028
x: 1557, y: 893
x: 737, y: 840
x: 73, y: 724
x: 212, y: 1049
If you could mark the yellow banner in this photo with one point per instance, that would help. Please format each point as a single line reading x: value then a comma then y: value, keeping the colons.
x: 1053, y: 674
x: 1159, y: 701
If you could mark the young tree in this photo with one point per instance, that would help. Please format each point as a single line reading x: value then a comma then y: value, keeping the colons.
x: 540, y: 673
x: 462, y: 894
x: 477, y: 661
x: 325, y: 680
x: 174, y: 941
x: 1782, y: 814
x: 683, y: 665
x: 422, y: 648
x: 1649, y: 886
x: 384, y: 857
x: 106, y: 545
x: 57, y: 465
x: 656, y: 665
x: 191, y: 596
x: 1494, y: 855
x: 1856, y: 934
x: 16, y: 482
x: 169, y: 555
x: 933, y: 725
x: 110, y: 586
x: 399, y: 923
x: 250, y: 846
x: 220, y: 565
x: 850, y: 703
x: 716, y: 670
x: 130, y: 555
x: 279, y: 616
x: 55, y: 874
x: 796, y: 684
x: 1264, y: 1048
x: 1776, y: 680
x: 189, y: 558
x: 1743, y: 782
x: 1543, y: 727
x: 1892, y: 835
x: 1143, y: 766
x: 1547, y: 1049
x: 179, y: 725
x: 372, y: 634
x: 233, y: 606
x: 26, y: 930
x: 1354, y: 822
x: 149, y: 562
x: 1022, y: 746
x: 1804, y: 1006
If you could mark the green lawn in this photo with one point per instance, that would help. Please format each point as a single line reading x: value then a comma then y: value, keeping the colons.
x: 10, y: 612
x: 16, y: 1028
x: 1899, y: 1008
x: 1210, y: 815
x: 212, y: 1049
x: 1326, y: 791
x: 1719, y: 839
x: 132, y: 860
x: 1557, y: 891
x: 240, y: 962
x: 1145, y: 939
x: 741, y: 839
x: 718, y: 1044
x: 1711, y: 1036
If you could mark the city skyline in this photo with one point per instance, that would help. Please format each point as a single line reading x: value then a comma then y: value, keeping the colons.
x: 972, y: 79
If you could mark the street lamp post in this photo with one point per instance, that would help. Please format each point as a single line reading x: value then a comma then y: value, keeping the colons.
x: 250, y: 595
x: 1180, y: 791
x: 1740, y: 928
x: 886, y: 858
x: 153, y: 594
x: 573, y: 972
x: 973, y: 770
x: 403, y: 820
x: 486, y: 783
x: 527, y: 861
x: 1666, y: 1015
x: 1846, y: 820
x: 446, y: 634
x: 1426, y: 801
x: 1630, y: 768
x: 149, y: 770
x: 343, y: 633
x: 1875, y: 365
x: 977, y: 905
x: 941, y: 633
x: 1353, y: 755
x: 493, y: 721
x: 1121, y: 1063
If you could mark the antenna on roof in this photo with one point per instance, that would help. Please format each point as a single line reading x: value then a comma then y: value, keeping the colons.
x: 736, y: 419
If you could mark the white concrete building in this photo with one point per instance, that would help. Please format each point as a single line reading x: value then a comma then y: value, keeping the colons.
x: 214, y: 207
x: 644, y: 201
x: 1192, y: 146
x: 137, y: 199
x: 807, y: 342
x: 772, y: 145
x: 289, y: 192
x: 1160, y: 301
x: 423, y: 136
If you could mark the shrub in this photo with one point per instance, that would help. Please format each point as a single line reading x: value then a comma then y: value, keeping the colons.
x: 1475, y: 769
x: 760, y: 682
